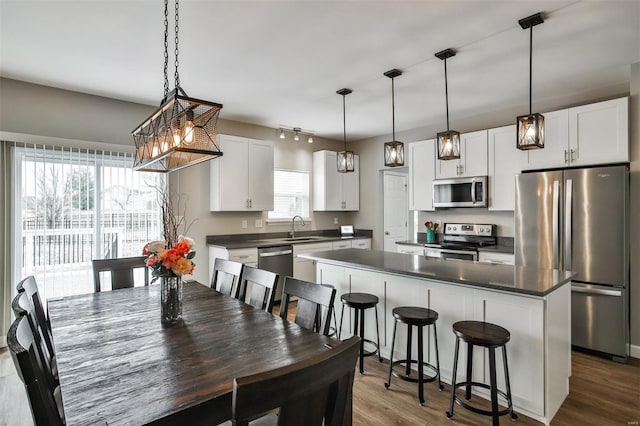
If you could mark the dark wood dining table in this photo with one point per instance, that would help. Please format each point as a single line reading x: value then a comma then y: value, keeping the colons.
x: 119, y: 365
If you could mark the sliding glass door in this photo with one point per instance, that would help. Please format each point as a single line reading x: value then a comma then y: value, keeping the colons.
x: 73, y: 206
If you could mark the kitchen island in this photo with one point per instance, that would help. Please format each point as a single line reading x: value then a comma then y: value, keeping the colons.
x: 533, y: 304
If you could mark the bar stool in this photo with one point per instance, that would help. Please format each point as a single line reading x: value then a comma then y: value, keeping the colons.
x: 489, y: 336
x: 361, y: 302
x: 418, y: 317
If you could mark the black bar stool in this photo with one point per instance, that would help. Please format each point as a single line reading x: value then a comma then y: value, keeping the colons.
x: 489, y: 336
x: 361, y: 302
x: 419, y: 317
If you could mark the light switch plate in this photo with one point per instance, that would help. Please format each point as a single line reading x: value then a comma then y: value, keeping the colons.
x: 244, y: 224
x: 258, y: 223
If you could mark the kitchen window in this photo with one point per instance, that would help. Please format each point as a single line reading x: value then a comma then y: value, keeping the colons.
x: 290, y: 195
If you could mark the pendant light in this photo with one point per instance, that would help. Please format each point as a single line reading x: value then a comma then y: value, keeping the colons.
x: 182, y: 131
x: 530, y: 127
x: 346, y: 159
x: 449, y: 141
x: 394, y: 150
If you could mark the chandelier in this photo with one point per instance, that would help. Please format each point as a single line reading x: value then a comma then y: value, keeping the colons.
x: 183, y: 130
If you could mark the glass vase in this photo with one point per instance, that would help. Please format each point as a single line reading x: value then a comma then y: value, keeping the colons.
x: 170, y: 299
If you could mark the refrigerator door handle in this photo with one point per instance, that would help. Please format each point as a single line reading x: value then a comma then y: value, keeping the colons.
x: 596, y: 291
x: 555, y: 224
x: 567, y: 223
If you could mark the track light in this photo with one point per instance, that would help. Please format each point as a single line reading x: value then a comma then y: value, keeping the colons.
x: 296, y: 133
x: 281, y: 133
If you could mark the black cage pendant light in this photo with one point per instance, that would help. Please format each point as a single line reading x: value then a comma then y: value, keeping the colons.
x: 449, y: 141
x: 346, y: 159
x: 182, y: 131
x: 530, y: 127
x: 394, y: 150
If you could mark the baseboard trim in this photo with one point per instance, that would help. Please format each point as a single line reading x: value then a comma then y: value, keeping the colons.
x: 635, y: 351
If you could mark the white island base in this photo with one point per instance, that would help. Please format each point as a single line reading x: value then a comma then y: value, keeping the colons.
x: 539, y: 352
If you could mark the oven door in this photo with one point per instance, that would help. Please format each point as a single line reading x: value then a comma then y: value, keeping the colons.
x: 451, y: 253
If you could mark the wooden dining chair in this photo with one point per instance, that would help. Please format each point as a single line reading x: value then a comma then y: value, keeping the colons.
x: 316, y: 391
x: 315, y: 304
x: 263, y: 287
x: 121, y: 271
x: 226, y: 277
x: 23, y: 307
x: 30, y: 289
x: 46, y: 406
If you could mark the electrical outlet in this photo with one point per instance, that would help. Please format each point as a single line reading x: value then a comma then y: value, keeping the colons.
x: 258, y: 223
x: 439, y: 222
x: 335, y: 220
x: 244, y: 224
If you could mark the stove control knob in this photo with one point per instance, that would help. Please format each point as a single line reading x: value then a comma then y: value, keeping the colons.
x: 455, y: 229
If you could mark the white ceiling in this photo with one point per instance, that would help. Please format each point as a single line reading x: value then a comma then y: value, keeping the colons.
x: 277, y: 63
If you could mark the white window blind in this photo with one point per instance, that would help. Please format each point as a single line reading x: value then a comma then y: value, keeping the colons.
x: 291, y: 194
x: 75, y: 205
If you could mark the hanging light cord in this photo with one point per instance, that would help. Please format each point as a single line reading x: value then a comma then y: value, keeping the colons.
x: 344, y: 122
x: 166, y: 48
x: 446, y: 91
x: 393, y: 110
x: 177, y: 76
x: 530, y: 65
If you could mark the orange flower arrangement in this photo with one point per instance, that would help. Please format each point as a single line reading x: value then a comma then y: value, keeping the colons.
x: 174, y: 261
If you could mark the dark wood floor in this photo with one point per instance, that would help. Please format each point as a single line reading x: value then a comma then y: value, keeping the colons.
x: 602, y: 393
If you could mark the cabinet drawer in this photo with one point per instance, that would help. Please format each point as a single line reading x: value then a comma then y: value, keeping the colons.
x: 361, y: 244
x: 244, y: 255
x: 410, y: 249
x: 499, y: 258
x: 339, y: 245
x: 309, y: 248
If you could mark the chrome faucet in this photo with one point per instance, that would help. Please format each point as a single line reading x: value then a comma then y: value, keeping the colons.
x: 293, y: 225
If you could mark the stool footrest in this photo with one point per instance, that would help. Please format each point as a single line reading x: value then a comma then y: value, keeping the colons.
x: 508, y: 410
x: 373, y: 352
x: 427, y: 379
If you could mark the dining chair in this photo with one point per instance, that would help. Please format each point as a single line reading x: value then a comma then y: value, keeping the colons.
x: 315, y: 391
x: 263, y: 287
x: 315, y: 304
x: 226, y: 277
x: 46, y: 406
x: 38, y: 316
x: 121, y: 270
x: 23, y: 307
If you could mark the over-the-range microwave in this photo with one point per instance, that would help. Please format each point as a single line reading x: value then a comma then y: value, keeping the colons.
x: 460, y: 192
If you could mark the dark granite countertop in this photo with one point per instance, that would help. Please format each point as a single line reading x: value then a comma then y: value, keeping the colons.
x: 515, y: 279
x: 270, y: 239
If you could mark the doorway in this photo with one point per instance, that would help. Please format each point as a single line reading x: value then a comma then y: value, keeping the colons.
x: 396, y: 208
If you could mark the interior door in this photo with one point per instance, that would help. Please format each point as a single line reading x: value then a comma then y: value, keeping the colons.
x: 396, y: 209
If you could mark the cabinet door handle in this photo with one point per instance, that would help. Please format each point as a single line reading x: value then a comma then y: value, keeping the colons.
x: 573, y: 155
x: 566, y: 156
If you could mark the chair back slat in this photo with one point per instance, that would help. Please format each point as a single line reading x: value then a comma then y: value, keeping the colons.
x: 226, y: 277
x: 312, y: 392
x: 315, y: 304
x: 44, y: 408
x: 30, y: 288
x: 22, y: 307
x: 263, y: 287
x: 121, y: 271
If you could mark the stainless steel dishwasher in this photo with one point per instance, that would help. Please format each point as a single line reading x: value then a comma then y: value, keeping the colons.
x: 278, y: 259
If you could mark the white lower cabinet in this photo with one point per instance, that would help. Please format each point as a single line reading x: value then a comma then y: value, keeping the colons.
x: 496, y: 258
x: 339, y: 245
x: 305, y: 269
x: 364, y: 244
x: 410, y: 249
x: 248, y: 256
x: 539, y: 351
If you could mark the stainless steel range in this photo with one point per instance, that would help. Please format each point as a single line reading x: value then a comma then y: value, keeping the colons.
x: 461, y: 241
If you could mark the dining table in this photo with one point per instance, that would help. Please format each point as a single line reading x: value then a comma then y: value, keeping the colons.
x: 118, y: 364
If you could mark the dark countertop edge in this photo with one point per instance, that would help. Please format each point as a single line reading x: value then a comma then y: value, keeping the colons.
x: 502, y: 246
x: 237, y: 241
x: 314, y: 256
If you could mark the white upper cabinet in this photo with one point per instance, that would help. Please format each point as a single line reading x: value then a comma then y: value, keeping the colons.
x: 422, y: 162
x: 473, y: 158
x: 242, y: 179
x: 333, y: 191
x: 585, y: 135
x: 599, y: 133
x: 505, y: 160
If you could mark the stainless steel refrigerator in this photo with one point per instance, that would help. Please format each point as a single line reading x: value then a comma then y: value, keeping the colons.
x: 578, y: 220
